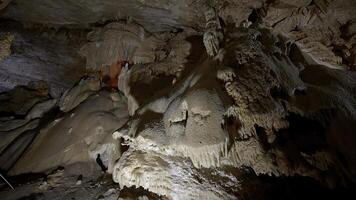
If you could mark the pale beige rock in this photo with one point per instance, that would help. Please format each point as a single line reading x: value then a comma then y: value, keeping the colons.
x: 164, y: 175
x: 213, y: 35
x: 270, y: 93
x: 78, y: 137
x: 79, y: 93
x: 119, y: 42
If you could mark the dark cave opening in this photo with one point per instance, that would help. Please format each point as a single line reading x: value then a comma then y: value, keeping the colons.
x: 253, y: 17
x: 304, y: 134
x: 296, y: 188
x: 279, y: 93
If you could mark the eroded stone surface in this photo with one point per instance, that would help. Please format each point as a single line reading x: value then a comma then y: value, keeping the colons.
x: 230, y: 89
x: 78, y: 137
x: 44, y: 54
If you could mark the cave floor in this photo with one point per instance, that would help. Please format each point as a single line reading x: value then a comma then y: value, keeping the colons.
x: 60, y: 186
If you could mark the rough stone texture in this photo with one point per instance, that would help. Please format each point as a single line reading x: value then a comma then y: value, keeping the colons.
x: 274, y: 97
x: 47, y: 55
x: 260, y: 105
x: 5, y: 45
x: 164, y: 175
x: 264, y: 74
x: 155, y: 15
x: 133, y: 193
x: 145, y: 76
x: 59, y: 185
x: 213, y: 34
x: 120, y: 42
x: 348, y: 49
x: 314, y: 27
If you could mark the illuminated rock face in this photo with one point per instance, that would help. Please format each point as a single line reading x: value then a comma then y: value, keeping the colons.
x: 78, y: 137
x: 213, y: 35
x: 232, y: 113
x: 182, y: 100
x: 119, y: 42
x: 79, y: 93
x: 172, y: 177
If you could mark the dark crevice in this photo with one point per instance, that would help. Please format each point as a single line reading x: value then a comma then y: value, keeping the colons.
x: 232, y: 125
x: 262, y: 135
x: 33, y: 196
x: 302, y: 135
x: 298, y: 92
x: 266, y: 187
x: 23, y: 178
x: 278, y: 93
x: 123, y: 147
x: 253, y: 17
x: 137, y: 193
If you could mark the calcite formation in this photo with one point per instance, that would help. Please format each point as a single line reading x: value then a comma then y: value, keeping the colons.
x: 86, y: 131
x: 213, y: 34
x: 164, y: 175
x: 216, y: 133
x: 76, y: 95
x: 315, y: 27
x: 247, y: 99
x: 119, y: 42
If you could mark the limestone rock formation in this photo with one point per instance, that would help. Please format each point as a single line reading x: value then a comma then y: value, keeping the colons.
x: 207, y: 99
x: 164, y: 176
x: 263, y: 79
x: 315, y: 27
x: 82, y: 132
x: 137, y: 76
x: 79, y: 93
x: 29, y: 104
x: 119, y: 41
x: 44, y: 54
x: 156, y: 15
x: 213, y: 34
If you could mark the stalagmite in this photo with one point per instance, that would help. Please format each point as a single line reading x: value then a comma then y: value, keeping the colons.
x: 186, y: 99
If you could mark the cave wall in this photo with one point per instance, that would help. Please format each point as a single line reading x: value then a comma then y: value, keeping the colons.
x: 222, y: 96
x: 48, y: 54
